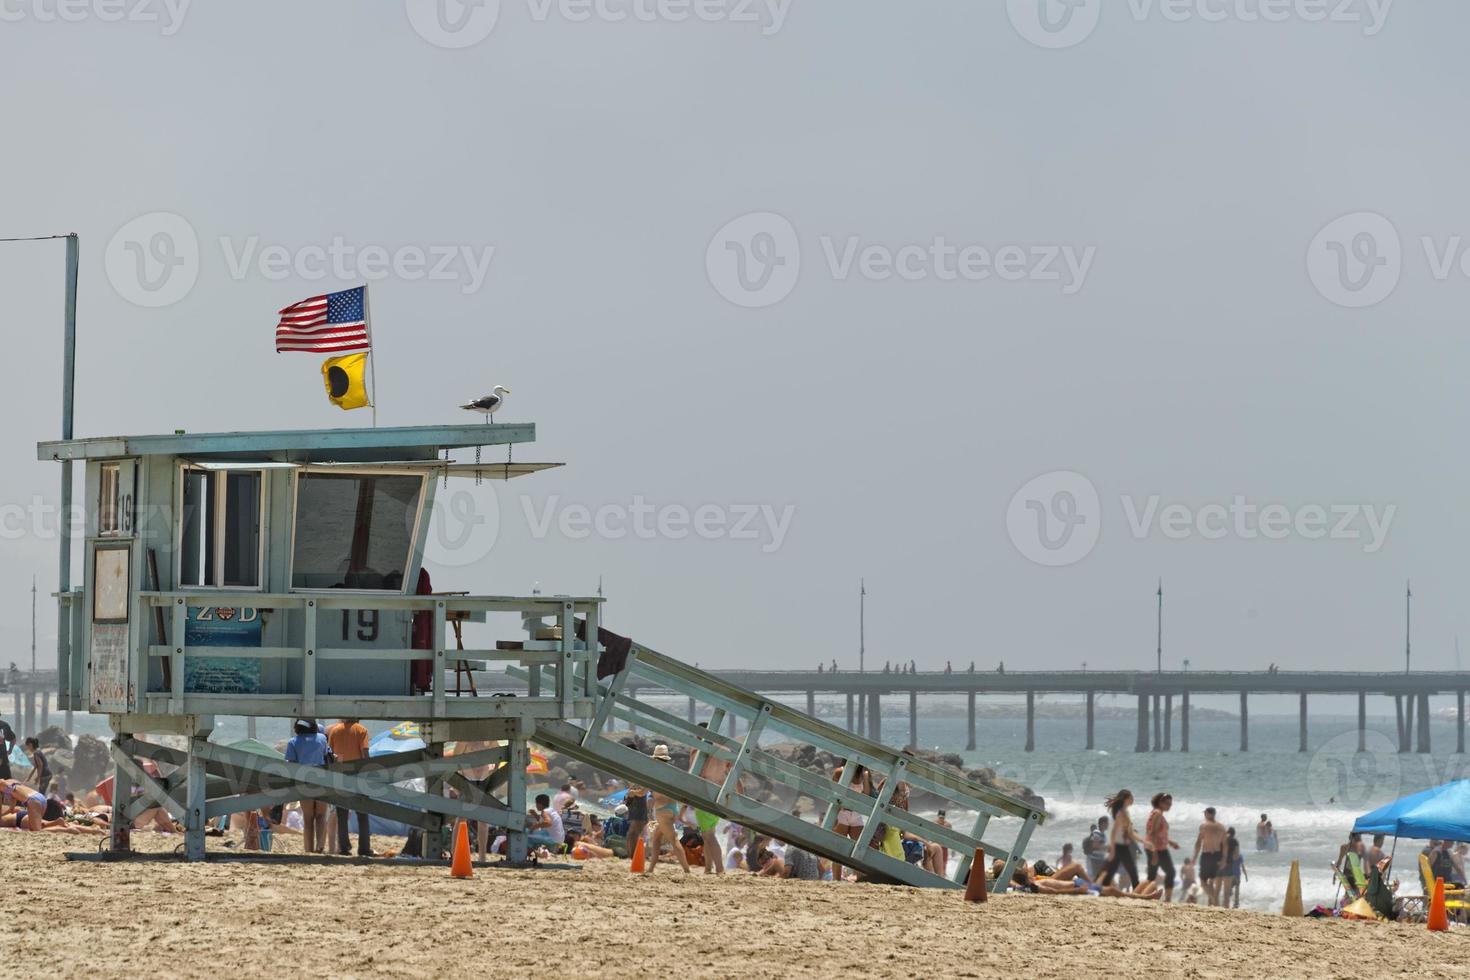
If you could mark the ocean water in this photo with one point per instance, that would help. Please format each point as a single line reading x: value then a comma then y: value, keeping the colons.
x: 1312, y: 798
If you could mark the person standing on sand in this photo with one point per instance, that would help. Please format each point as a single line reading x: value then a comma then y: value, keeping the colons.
x: 1122, y: 839
x: 1209, y: 855
x: 1157, y: 844
x: 348, y: 740
x: 308, y: 747
x: 665, y: 809
x: 7, y: 742
x: 850, y: 822
x: 636, y: 800
x: 1186, y: 877
x: 713, y: 770
x: 40, y: 769
x: 942, y: 819
x: 1231, y: 871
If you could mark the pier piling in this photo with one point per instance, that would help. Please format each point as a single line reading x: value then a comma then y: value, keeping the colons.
x: 970, y: 713
x: 811, y: 704
x: 1460, y: 722
x: 1091, y: 698
x: 1140, y: 744
x: 1398, y: 710
x: 1424, y: 724
x: 849, y: 712
x: 1168, y: 722
x: 875, y: 718
x: 1158, y: 725
x: 1302, y: 724
x: 1362, y: 721
x: 1245, y: 740
x: 913, y: 719
x: 1030, y: 721
x: 1184, y: 723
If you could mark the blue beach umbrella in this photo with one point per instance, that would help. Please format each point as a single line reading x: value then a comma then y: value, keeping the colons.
x: 1440, y: 813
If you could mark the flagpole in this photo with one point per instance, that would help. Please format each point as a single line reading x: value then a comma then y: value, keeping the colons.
x: 367, y: 318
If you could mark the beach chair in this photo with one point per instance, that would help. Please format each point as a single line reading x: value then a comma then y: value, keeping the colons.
x: 1454, y: 895
x: 1351, y: 878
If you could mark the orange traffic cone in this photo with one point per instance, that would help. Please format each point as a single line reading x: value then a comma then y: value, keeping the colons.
x: 975, y: 887
x: 638, y: 857
x: 1439, y: 921
x: 460, y: 867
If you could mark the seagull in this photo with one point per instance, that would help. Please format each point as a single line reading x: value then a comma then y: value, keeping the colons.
x: 488, y: 405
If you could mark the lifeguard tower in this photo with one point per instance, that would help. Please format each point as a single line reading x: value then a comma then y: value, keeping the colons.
x: 280, y: 574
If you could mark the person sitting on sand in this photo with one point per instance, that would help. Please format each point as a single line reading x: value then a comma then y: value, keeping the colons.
x: 546, y: 828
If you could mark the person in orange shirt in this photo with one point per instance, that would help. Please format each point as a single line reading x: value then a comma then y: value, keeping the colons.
x: 348, y: 741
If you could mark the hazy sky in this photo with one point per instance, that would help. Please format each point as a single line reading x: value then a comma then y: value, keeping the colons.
x: 1118, y: 256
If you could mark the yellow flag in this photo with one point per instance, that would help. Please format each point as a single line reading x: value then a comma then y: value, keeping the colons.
x: 343, y: 377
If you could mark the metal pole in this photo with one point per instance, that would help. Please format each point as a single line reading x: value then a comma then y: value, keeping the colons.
x: 68, y: 431
x: 862, y: 625
x: 1160, y: 650
x: 1408, y: 621
x: 367, y: 322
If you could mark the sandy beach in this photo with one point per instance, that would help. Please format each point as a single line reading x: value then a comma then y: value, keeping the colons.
x: 352, y: 920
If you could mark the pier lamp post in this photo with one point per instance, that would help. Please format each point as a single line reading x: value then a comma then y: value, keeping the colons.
x: 1186, y: 665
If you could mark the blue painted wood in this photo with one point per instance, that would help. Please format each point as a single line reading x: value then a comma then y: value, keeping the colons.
x: 402, y: 443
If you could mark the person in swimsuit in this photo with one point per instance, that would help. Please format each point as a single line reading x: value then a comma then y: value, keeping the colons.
x: 30, y: 806
x: 665, y: 810
x: 1209, y: 852
x: 850, y: 822
x: 714, y: 770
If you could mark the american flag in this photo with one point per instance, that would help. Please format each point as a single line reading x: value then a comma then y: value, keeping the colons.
x: 330, y: 324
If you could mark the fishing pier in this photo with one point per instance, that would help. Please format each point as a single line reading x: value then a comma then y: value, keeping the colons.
x: 1157, y: 693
